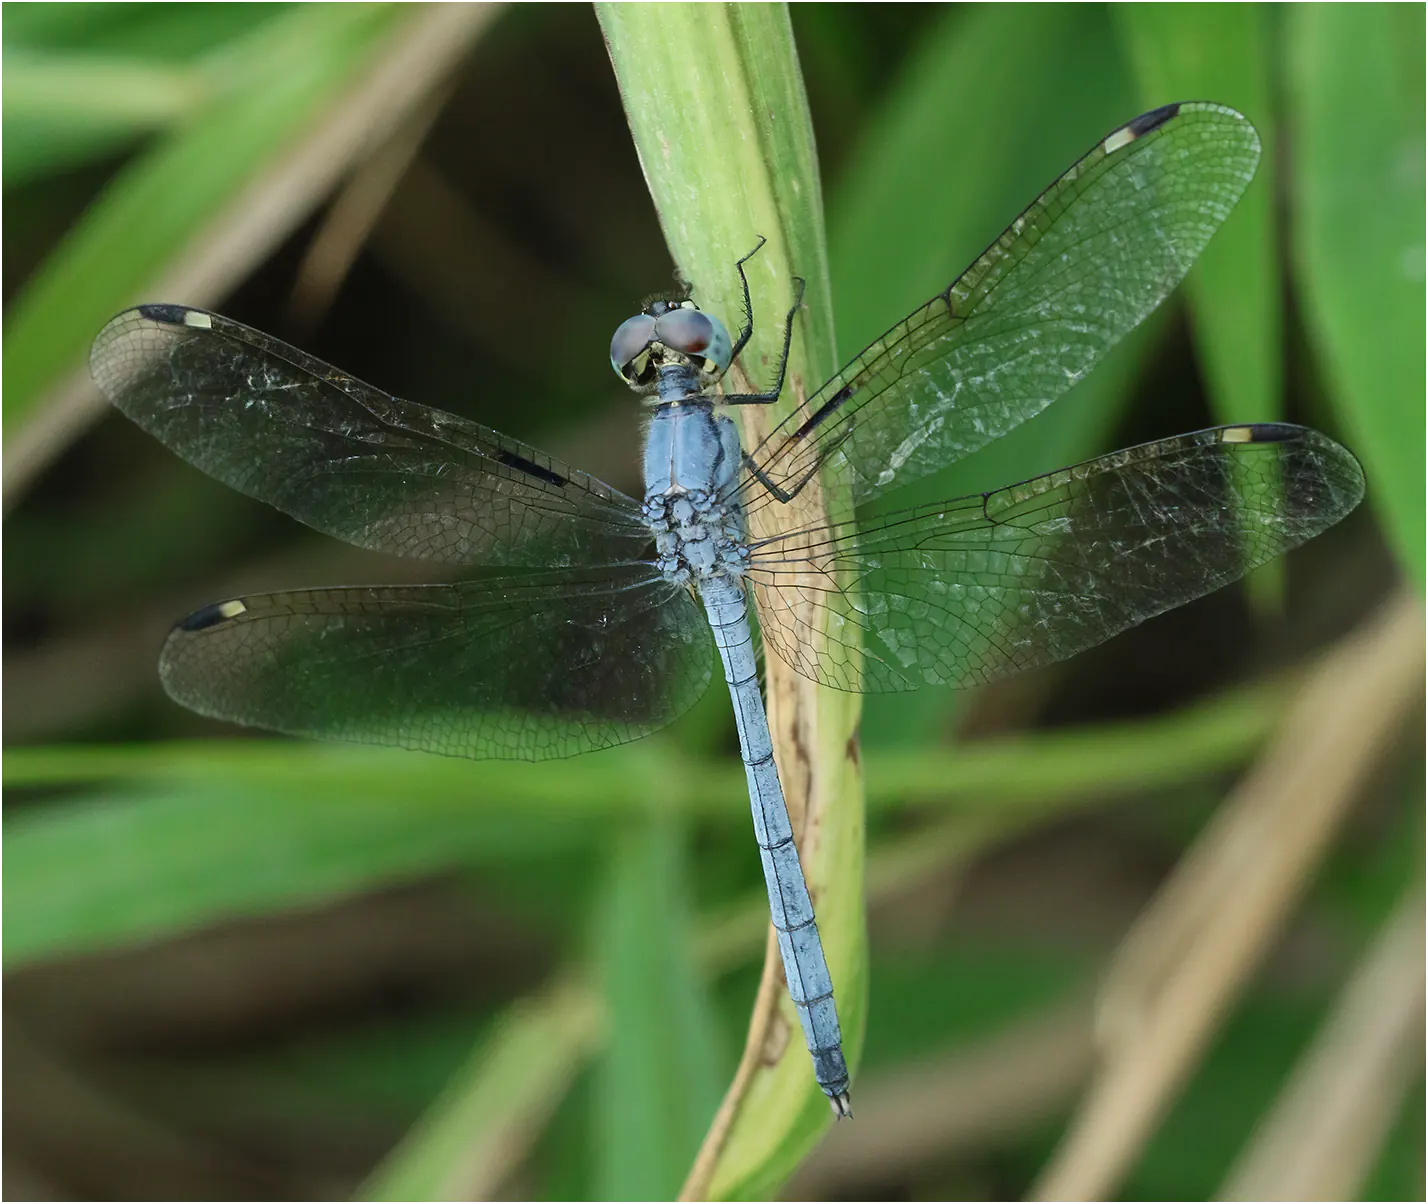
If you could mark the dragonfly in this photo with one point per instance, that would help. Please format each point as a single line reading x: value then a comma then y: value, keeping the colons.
x: 581, y: 618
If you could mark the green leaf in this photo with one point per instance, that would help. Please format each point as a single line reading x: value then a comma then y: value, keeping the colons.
x: 660, y: 1079
x: 716, y: 107
x: 960, y: 146
x: 190, y: 834
x: 186, y: 834
x: 266, y: 91
x: 736, y: 87
x: 471, y: 1139
x: 1219, y: 52
x: 171, y: 32
x: 190, y: 838
x: 61, y: 111
x: 1356, y: 99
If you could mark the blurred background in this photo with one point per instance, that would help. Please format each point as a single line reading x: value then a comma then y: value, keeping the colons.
x: 1148, y: 924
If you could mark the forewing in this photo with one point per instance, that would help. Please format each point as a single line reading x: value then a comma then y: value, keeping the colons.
x: 1081, y: 267
x: 986, y: 586
x: 526, y: 666
x: 348, y: 459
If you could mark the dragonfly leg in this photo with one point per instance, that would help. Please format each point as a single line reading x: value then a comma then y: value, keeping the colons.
x: 758, y: 474
x: 745, y: 399
x: 746, y: 331
x: 792, y: 491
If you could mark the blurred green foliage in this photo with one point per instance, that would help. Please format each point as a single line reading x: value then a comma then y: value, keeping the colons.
x: 228, y: 119
x: 525, y: 226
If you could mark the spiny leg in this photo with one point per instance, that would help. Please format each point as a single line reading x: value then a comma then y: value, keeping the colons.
x: 746, y: 332
x: 787, y: 495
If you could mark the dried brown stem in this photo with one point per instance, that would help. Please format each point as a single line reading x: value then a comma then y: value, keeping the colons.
x: 1195, y: 946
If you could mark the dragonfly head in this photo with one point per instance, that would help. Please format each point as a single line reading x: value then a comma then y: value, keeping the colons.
x: 670, y: 333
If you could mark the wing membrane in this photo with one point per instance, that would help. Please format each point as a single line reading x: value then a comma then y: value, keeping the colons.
x: 1081, y: 267
x: 348, y: 459
x: 986, y: 586
x: 525, y: 666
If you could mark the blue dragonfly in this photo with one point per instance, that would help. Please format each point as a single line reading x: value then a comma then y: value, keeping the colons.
x: 582, y: 618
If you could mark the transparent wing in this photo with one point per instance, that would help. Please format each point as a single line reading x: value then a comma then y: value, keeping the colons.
x: 348, y: 459
x: 524, y: 666
x: 989, y: 585
x: 1090, y: 258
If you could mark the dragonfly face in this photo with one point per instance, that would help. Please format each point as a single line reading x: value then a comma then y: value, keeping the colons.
x: 670, y: 334
x: 566, y: 635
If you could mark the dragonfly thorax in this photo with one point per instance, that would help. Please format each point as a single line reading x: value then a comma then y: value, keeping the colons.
x: 693, y: 462
x: 697, y: 537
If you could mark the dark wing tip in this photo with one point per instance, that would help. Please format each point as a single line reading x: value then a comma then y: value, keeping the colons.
x: 1263, y: 432
x: 1267, y: 433
x: 1332, y: 463
x: 211, y: 616
x: 1138, y: 127
x: 132, y: 342
x: 1153, y: 120
x: 174, y: 315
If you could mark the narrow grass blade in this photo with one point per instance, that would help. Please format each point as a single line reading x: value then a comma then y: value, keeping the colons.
x: 1358, y: 238
x: 715, y: 103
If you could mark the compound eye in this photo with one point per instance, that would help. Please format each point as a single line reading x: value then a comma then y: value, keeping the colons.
x: 629, y: 343
x: 695, y: 333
